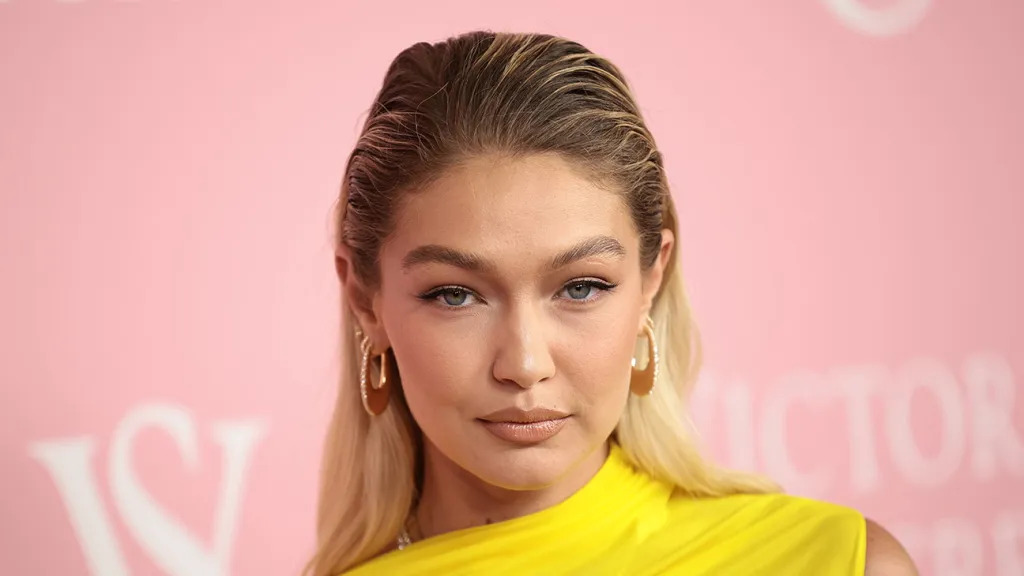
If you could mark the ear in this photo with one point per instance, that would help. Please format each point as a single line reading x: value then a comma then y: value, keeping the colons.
x: 361, y: 301
x: 653, y: 277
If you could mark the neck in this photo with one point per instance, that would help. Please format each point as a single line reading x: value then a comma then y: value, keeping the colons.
x: 454, y: 499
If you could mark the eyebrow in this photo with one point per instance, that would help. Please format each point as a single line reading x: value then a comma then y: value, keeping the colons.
x: 436, y: 254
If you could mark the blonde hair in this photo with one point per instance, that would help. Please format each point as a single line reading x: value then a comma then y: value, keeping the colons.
x: 511, y: 94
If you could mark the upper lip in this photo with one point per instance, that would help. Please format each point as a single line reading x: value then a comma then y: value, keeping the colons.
x: 520, y: 416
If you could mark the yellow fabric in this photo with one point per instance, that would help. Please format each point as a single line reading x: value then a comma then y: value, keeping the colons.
x: 625, y: 523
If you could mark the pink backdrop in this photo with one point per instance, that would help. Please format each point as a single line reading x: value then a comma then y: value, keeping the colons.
x: 850, y: 180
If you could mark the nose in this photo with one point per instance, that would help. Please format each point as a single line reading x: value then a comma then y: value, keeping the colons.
x: 523, y: 356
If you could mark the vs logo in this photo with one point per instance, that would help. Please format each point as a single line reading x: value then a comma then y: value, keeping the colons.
x: 170, y: 544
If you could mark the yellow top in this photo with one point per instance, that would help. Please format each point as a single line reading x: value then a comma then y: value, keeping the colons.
x: 625, y: 523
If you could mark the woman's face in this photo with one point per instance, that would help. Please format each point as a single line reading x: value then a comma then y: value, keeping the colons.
x: 512, y: 290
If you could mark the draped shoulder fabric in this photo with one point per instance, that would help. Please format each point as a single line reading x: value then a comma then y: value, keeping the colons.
x: 624, y: 523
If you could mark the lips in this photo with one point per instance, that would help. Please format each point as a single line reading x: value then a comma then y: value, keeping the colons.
x: 525, y: 426
x: 520, y: 416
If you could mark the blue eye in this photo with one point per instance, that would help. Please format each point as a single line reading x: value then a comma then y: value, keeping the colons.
x: 582, y: 291
x: 450, y: 296
x: 579, y: 290
x: 454, y: 296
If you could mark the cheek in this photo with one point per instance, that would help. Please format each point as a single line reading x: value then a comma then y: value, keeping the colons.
x: 598, y: 362
x: 438, y: 369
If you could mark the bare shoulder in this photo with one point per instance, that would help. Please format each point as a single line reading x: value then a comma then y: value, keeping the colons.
x: 885, y: 555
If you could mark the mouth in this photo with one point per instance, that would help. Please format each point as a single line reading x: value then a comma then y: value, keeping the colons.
x: 524, y: 426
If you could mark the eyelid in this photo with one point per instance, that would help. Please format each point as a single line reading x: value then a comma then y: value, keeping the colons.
x: 589, y: 279
x: 439, y: 289
x: 592, y: 280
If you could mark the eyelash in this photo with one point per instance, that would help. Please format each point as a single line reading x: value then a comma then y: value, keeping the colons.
x: 436, y: 295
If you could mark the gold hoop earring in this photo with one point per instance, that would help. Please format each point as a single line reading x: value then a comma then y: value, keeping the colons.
x: 641, y: 382
x: 375, y: 395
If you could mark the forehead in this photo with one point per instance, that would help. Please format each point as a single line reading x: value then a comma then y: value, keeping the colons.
x: 506, y: 207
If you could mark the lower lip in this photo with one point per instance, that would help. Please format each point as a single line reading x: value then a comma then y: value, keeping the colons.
x: 525, y: 432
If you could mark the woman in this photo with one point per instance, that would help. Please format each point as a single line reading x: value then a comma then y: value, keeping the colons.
x: 506, y: 248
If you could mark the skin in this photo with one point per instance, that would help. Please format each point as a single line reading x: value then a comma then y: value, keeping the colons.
x: 486, y: 308
x: 885, y: 555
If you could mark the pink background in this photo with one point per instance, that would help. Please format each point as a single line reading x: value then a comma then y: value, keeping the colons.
x: 850, y: 180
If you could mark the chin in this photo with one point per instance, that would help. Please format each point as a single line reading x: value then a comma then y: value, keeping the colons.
x: 521, y: 472
x: 525, y: 468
